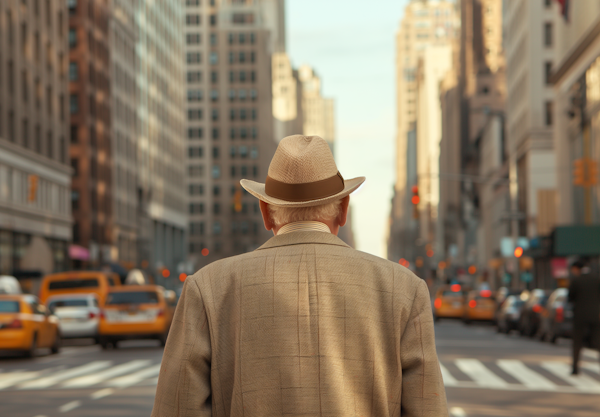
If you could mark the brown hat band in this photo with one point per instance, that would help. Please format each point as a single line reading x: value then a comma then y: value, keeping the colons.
x: 306, y: 191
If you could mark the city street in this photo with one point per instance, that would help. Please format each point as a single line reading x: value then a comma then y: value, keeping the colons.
x: 486, y: 374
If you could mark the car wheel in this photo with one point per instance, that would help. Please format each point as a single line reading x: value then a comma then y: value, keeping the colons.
x: 31, y: 352
x: 55, y: 348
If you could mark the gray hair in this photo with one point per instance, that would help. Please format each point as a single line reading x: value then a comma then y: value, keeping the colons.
x: 283, y: 215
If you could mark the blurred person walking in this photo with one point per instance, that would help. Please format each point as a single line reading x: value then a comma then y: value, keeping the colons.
x: 584, y: 293
x: 304, y: 324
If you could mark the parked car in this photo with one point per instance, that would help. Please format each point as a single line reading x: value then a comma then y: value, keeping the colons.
x: 449, y: 302
x: 135, y: 312
x: 532, y: 311
x: 78, y: 282
x: 558, y: 320
x: 502, y: 295
x: 480, y: 305
x: 26, y: 325
x: 78, y: 314
x: 509, y: 313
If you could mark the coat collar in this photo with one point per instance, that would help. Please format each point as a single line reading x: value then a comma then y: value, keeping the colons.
x: 300, y: 238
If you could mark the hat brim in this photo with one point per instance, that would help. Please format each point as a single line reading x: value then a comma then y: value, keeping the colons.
x: 257, y: 189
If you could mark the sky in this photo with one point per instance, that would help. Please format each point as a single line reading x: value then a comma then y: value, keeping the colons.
x: 351, y: 47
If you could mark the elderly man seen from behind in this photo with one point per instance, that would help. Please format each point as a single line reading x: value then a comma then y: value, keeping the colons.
x: 305, y: 324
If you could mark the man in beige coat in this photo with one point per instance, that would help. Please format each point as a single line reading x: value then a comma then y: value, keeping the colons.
x: 304, y: 325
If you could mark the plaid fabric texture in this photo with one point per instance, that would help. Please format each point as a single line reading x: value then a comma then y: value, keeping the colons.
x: 303, y: 326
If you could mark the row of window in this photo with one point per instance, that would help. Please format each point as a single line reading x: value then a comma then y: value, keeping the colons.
x: 197, y: 94
x: 198, y: 190
x: 198, y: 229
x: 198, y: 208
x: 197, y: 171
x: 196, y: 38
x: 234, y: 133
x: 241, y: 151
x: 195, y: 57
x: 242, y: 77
x: 195, y: 19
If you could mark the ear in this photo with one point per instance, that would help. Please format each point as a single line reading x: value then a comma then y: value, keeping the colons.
x: 264, y: 209
x: 343, y: 216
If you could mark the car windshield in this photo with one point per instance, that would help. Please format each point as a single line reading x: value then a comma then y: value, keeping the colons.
x: 75, y: 302
x: 133, y: 297
x: 9, y: 306
x: 449, y: 293
x: 74, y: 283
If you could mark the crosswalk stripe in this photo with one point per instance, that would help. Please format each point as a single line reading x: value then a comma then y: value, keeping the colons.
x: 88, y: 380
x: 525, y: 375
x: 12, y: 378
x: 62, y: 376
x: 480, y: 374
x: 129, y: 380
x: 563, y: 371
x: 594, y: 367
x: 449, y: 380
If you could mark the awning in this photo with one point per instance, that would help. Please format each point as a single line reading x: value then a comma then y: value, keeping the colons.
x: 577, y: 240
x: 79, y: 252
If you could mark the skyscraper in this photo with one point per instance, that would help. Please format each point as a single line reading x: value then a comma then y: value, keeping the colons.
x: 230, y: 122
x: 35, y: 209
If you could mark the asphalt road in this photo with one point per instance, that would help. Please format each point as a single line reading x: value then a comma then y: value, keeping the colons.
x: 486, y: 374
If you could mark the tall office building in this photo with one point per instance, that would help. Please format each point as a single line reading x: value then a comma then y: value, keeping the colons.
x: 35, y: 213
x: 287, y: 97
x: 229, y: 45
x: 161, y: 192
x: 425, y: 24
x: 124, y: 132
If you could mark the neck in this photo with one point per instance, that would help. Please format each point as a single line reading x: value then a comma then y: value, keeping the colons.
x: 333, y: 226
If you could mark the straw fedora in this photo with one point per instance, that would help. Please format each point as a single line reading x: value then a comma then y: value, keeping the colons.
x: 302, y: 173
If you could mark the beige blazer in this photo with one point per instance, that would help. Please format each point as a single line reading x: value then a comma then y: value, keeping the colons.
x: 303, y: 326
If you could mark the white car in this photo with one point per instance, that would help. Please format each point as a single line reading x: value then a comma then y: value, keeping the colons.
x: 78, y: 314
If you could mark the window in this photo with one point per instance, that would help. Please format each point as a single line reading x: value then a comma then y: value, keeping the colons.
x: 243, y: 151
x: 74, y: 134
x: 193, y: 38
x: 231, y: 95
x: 194, y: 95
x: 253, y: 94
x: 195, y: 152
x: 254, y: 114
x: 232, y: 152
x: 216, y: 190
x: 216, y: 171
x: 242, y: 94
x: 196, y: 208
x: 213, y: 19
x: 255, y: 171
x: 242, y: 76
x: 233, y: 173
x: 196, y: 228
x: 548, y: 71
x: 74, y: 165
x: 242, y: 38
x: 254, y: 152
x: 242, y: 57
x: 216, y: 208
x: 196, y: 189
x: 194, y: 77
x: 214, y: 58
x: 252, y: 57
x: 232, y: 133
x: 72, y: 38
x: 195, y: 133
x: 213, y: 39
x: 215, y: 114
x: 195, y: 171
x: 74, y: 200
x: 192, y: 20
x: 73, y: 104
x: 215, y: 133
x: 216, y: 228
x: 244, y: 171
x: 230, y: 37
x: 192, y: 2
x: 243, y: 133
x: 72, y: 5
x: 231, y: 57
x: 548, y: 34
x: 194, y: 114
x: 242, y: 114
x: 549, y: 109
x: 254, y: 133
x: 253, y: 76
x: 548, y: 3
x: 252, y: 38
x: 241, y: 18
x: 214, y: 95
x: 73, y: 71
x: 214, y: 77
x: 194, y: 57
x: 216, y: 153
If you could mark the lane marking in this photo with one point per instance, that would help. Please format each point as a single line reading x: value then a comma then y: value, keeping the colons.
x: 102, y: 393
x: 457, y: 412
x: 591, y: 354
x: 594, y: 367
x: 132, y: 379
x: 480, y: 374
x: 525, y: 375
x: 69, y: 406
x: 88, y: 380
x: 68, y: 374
x: 449, y: 380
x: 12, y: 378
x: 563, y: 371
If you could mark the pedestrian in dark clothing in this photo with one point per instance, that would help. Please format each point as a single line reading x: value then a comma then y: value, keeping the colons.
x: 584, y: 293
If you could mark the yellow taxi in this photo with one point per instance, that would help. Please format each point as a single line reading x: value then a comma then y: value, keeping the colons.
x: 449, y: 302
x: 135, y: 312
x: 78, y: 282
x: 26, y: 325
x: 480, y: 305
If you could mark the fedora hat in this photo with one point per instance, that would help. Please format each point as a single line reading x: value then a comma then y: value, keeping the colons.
x: 302, y: 173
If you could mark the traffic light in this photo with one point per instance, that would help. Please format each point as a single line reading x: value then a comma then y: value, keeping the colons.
x: 592, y: 172
x: 33, y: 185
x: 578, y: 172
x: 518, y: 251
x: 415, y: 201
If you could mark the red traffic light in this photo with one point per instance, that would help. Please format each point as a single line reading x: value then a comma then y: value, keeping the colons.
x: 518, y: 251
x: 415, y: 189
x: 415, y: 200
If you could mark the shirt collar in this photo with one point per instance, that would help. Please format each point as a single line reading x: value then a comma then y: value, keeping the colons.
x: 304, y: 226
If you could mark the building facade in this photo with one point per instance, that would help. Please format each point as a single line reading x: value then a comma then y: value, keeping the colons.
x: 161, y: 192
x: 229, y: 45
x: 35, y: 175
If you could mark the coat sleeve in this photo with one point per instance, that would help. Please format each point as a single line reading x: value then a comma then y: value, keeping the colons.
x: 184, y: 387
x: 423, y: 393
